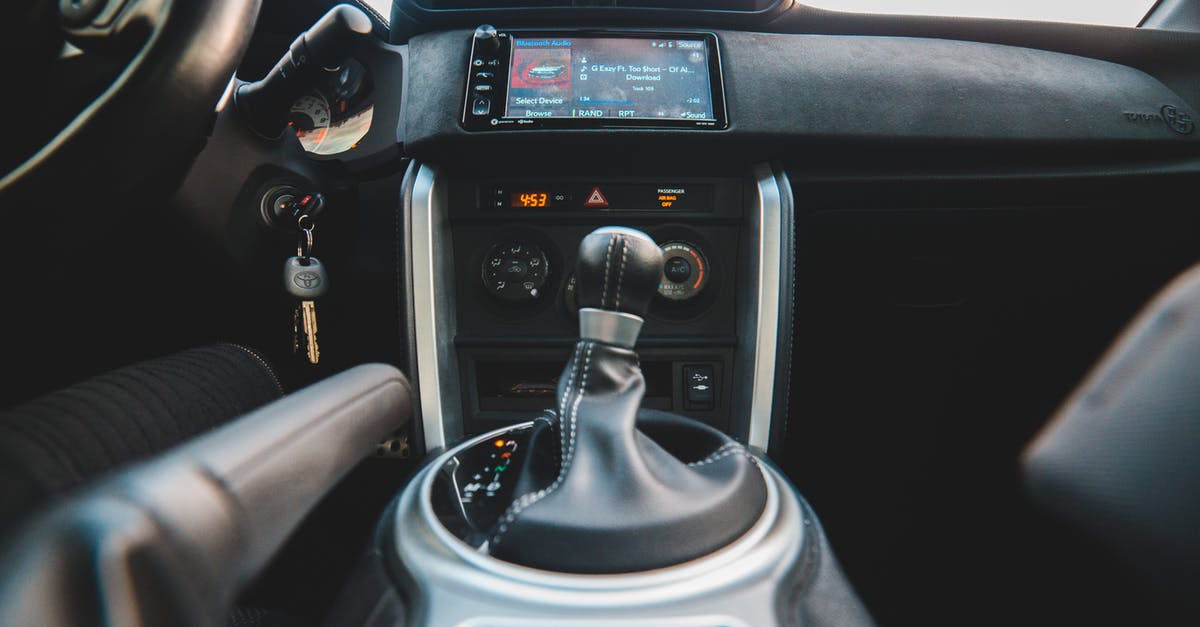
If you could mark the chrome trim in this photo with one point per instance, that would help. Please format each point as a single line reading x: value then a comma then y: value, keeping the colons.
x: 609, y: 327
x: 767, y: 222
x: 453, y: 584
x: 430, y: 245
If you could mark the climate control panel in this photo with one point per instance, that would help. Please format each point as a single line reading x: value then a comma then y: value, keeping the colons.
x: 685, y: 271
x: 515, y: 271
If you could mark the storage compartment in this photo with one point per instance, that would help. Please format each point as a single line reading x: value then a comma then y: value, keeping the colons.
x: 503, y: 386
x: 533, y: 385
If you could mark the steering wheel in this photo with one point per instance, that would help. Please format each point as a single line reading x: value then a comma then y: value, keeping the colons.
x: 142, y: 131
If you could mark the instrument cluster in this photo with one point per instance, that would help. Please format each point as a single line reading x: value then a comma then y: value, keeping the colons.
x: 337, y: 112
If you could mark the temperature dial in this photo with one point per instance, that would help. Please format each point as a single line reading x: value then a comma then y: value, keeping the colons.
x: 685, y: 271
x: 515, y: 271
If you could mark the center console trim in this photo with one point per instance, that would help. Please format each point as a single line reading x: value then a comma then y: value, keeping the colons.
x: 766, y: 221
x: 451, y: 583
x: 433, y: 310
x: 629, y: 581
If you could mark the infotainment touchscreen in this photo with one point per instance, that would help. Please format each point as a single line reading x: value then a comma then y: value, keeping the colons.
x: 612, y: 78
x: 593, y: 79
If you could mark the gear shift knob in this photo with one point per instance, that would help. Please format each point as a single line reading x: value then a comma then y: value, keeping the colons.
x: 619, y: 500
x: 618, y: 270
x: 617, y: 275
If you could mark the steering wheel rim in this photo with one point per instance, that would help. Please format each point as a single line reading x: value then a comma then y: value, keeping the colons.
x: 155, y: 114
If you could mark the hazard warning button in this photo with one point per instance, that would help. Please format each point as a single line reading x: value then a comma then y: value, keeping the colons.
x: 596, y: 199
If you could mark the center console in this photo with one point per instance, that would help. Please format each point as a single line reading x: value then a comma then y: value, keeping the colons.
x: 515, y: 243
x: 492, y: 256
x: 600, y: 510
x: 493, y: 246
x: 601, y: 354
x: 762, y: 578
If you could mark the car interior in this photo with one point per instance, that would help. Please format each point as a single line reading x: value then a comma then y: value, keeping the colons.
x: 655, y: 313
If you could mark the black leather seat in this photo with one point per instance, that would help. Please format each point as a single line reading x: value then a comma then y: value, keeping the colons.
x: 1121, y: 459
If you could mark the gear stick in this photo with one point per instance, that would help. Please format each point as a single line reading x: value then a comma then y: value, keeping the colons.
x: 627, y: 489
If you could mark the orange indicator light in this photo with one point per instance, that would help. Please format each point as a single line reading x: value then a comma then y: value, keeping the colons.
x: 499, y: 443
x: 699, y: 267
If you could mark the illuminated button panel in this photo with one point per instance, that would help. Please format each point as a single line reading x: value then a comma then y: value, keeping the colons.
x: 486, y: 483
x: 564, y: 197
x: 475, y: 487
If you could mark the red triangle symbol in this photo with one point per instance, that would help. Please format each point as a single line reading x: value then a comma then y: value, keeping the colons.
x: 596, y: 199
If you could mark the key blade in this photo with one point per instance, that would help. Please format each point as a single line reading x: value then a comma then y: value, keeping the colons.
x: 308, y: 310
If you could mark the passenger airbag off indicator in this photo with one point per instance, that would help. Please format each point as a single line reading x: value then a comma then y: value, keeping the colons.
x: 596, y: 199
x: 668, y: 197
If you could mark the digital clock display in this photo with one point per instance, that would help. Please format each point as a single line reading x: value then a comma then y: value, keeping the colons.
x: 531, y: 199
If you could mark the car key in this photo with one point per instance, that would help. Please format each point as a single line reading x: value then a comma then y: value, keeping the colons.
x: 305, y: 279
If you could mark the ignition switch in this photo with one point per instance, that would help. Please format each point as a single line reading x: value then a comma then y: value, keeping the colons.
x: 283, y: 204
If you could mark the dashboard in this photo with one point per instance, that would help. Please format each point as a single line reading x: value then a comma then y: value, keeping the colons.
x: 525, y: 138
x: 753, y: 88
x: 544, y: 148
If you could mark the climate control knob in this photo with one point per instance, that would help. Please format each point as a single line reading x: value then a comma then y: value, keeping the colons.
x: 685, y: 271
x: 515, y: 271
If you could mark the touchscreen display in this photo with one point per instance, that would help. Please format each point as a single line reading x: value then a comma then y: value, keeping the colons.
x: 609, y: 78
